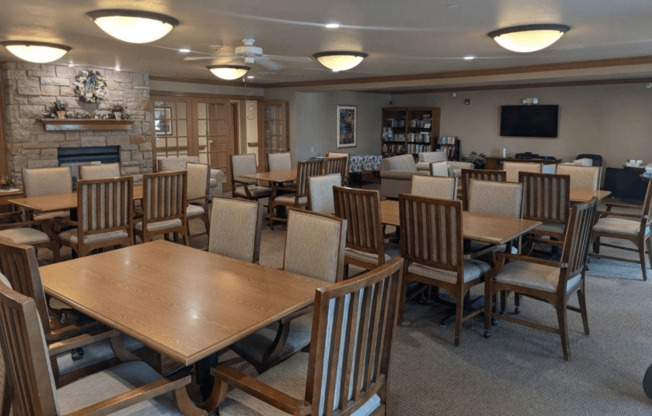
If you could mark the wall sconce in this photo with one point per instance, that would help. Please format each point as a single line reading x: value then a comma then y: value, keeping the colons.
x: 37, y: 52
x: 133, y: 26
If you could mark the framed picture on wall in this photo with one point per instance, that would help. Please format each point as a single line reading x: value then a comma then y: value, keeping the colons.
x: 162, y: 116
x: 346, y: 130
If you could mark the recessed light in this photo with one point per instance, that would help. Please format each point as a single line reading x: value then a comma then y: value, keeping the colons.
x: 184, y: 50
x: 250, y: 77
x: 469, y: 57
x: 332, y: 25
x: 117, y: 68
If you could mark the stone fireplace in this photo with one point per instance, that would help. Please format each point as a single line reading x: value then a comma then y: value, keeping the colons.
x: 29, y: 91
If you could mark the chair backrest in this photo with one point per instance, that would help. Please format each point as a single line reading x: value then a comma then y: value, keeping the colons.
x: 361, y: 210
x: 513, y: 168
x: 165, y: 196
x: 320, y: 192
x: 434, y: 186
x: 646, y: 214
x: 336, y: 165
x: 19, y: 264
x: 596, y: 159
x: 546, y: 197
x: 585, y: 177
x: 242, y: 165
x: 47, y: 181
x: 354, y: 323
x: 105, y: 205
x: 99, y: 171
x: 319, y: 252
x: 235, y: 228
x: 199, y: 176
x: 305, y: 170
x: 481, y: 174
x: 431, y: 232
x: 279, y: 161
x: 501, y: 199
x: 25, y: 355
x: 576, y: 241
x: 439, y: 169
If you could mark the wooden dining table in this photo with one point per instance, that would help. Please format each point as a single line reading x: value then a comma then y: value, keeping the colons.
x: 177, y: 300
x: 274, y: 177
x: 580, y: 196
x: 58, y: 202
x: 477, y: 227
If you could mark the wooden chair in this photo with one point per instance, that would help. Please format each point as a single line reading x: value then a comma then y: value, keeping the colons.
x: 545, y: 280
x: 199, y: 175
x: 104, y: 216
x: 297, y: 196
x: 347, y: 368
x: 434, y: 186
x: 345, y: 173
x: 432, y: 245
x: 546, y: 198
x: 365, y: 246
x: 279, y: 161
x: 18, y: 264
x: 584, y: 177
x: 626, y: 226
x: 320, y: 192
x: 319, y: 254
x: 133, y: 386
x: 480, y: 174
x: 513, y: 168
x: 337, y: 164
x: 235, y: 228
x: 165, y: 197
x: 243, y: 187
x: 99, y: 171
x: 47, y: 181
x: 439, y: 169
x: 30, y: 233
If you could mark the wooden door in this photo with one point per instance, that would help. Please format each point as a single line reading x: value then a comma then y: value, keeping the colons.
x: 272, y: 130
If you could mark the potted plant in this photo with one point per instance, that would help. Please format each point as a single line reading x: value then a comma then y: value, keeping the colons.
x: 118, y: 110
x: 59, y: 109
x: 6, y: 182
x: 478, y: 160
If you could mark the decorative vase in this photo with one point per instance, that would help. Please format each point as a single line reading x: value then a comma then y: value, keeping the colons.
x: 61, y: 114
x: 118, y: 115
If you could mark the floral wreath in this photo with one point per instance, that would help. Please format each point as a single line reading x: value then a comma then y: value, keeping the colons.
x: 90, y: 86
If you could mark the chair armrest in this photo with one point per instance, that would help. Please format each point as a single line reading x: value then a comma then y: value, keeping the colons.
x: 608, y: 213
x: 79, y: 341
x: 535, y: 260
x: 229, y: 376
x: 70, y: 330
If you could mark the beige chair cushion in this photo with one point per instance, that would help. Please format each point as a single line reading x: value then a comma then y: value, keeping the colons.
x: 391, y: 251
x: 535, y: 276
x: 254, y: 190
x: 279, y: 161
x: 25, y: 235
x: 289, y: 199
x: 70, y: 236
x: 513, y: 168
x: 155, y: 226
x: 434, y: 187
x: 193, y: 210
x: 619, y: 226
x: 585, y: 177
x: 233, y: 228
x: 47, y: 181
x: 502, y: 199
x: 321, y: 192
x: 99, y: 171
x: 472, y: 270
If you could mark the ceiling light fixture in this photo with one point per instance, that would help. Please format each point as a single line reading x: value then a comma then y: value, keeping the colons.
x: 340, y: 60
x: 228, y: 72
x: 133, y: 26
x: 332, y: 25
x: 528, y: 38
x: 37, y: 52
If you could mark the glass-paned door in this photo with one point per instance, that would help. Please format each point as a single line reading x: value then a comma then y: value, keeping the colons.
x: 213, y: 129
x: 171, y: 128
x: 272, y: 123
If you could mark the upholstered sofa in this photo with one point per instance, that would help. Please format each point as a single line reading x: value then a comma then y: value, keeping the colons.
x: 454, y: 167
x: 396, y: 175
x: 179, y: 163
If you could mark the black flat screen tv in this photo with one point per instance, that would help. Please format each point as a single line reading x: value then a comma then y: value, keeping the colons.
x: 529, y: 120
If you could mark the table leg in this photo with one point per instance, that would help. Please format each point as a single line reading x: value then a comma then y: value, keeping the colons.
x: 203, y: 375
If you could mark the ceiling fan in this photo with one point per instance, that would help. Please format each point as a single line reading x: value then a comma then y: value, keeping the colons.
x: 248, y: 54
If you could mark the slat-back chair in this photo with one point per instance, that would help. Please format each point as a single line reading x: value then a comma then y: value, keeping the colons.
x: 318, y: 253
x: 365, y: 247
x: 32, y: 389
x: 235, y: 228
x: 434, y: 186
x: 47, y: 181
x: 165, y: 197
x: 548, y: 281
x: 432, y: 245
x: 298, y: 195
x: 513, y: 168
x: 99, y: 171
x: 345, y: 173
x: 104, y: 215
x: 626, y: 226
x: 584, y: 177
x: 546, y: 198
x: 320, y: 192
x: 243, y: 187
x: 339, y: 165
x: 347, y: 368
x: 199, y: 176
x: 279, y: 161
x: 480, y: 174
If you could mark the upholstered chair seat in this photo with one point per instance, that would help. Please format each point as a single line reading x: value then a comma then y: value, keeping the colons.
x: 535, y: 276
x: 25, y: 235
x: 70, y: 236
x: 244, y: 187
x: 621, y: 226
x: 158, y: 226
x: 473, y: 269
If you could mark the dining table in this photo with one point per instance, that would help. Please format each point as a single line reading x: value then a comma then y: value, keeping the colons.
x: 182, y: 302
x: 580, y: 195
x: 273, y: 177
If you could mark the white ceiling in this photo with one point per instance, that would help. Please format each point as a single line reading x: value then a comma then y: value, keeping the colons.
x: 403, y: 38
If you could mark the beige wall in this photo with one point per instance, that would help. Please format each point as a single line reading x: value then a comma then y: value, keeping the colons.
x: 614, y: 121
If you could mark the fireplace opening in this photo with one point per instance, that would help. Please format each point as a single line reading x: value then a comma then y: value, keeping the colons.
x: 77, y: 156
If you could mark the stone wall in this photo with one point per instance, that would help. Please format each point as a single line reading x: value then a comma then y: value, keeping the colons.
x: 29, y: 91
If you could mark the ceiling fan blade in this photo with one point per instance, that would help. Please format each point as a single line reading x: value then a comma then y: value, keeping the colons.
x: 269, y: 64
x: 288, y: 58
x: 198, y: 58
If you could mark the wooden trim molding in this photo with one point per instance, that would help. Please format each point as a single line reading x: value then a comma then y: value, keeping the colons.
x: 69, y: 124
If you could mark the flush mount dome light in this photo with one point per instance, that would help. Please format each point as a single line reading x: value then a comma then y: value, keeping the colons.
x: 132, y: 25
x: 37, y: 52
x: 228, y: 72
x: 528, y: 38
x: 340, y: 60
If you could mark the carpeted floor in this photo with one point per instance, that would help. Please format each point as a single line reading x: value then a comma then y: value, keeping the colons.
x: 518, y: 370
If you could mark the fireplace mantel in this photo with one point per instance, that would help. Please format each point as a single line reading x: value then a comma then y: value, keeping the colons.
x: 68, y: 124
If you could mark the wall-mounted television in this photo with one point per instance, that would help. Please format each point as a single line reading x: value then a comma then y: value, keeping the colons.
x: 529, y: 120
